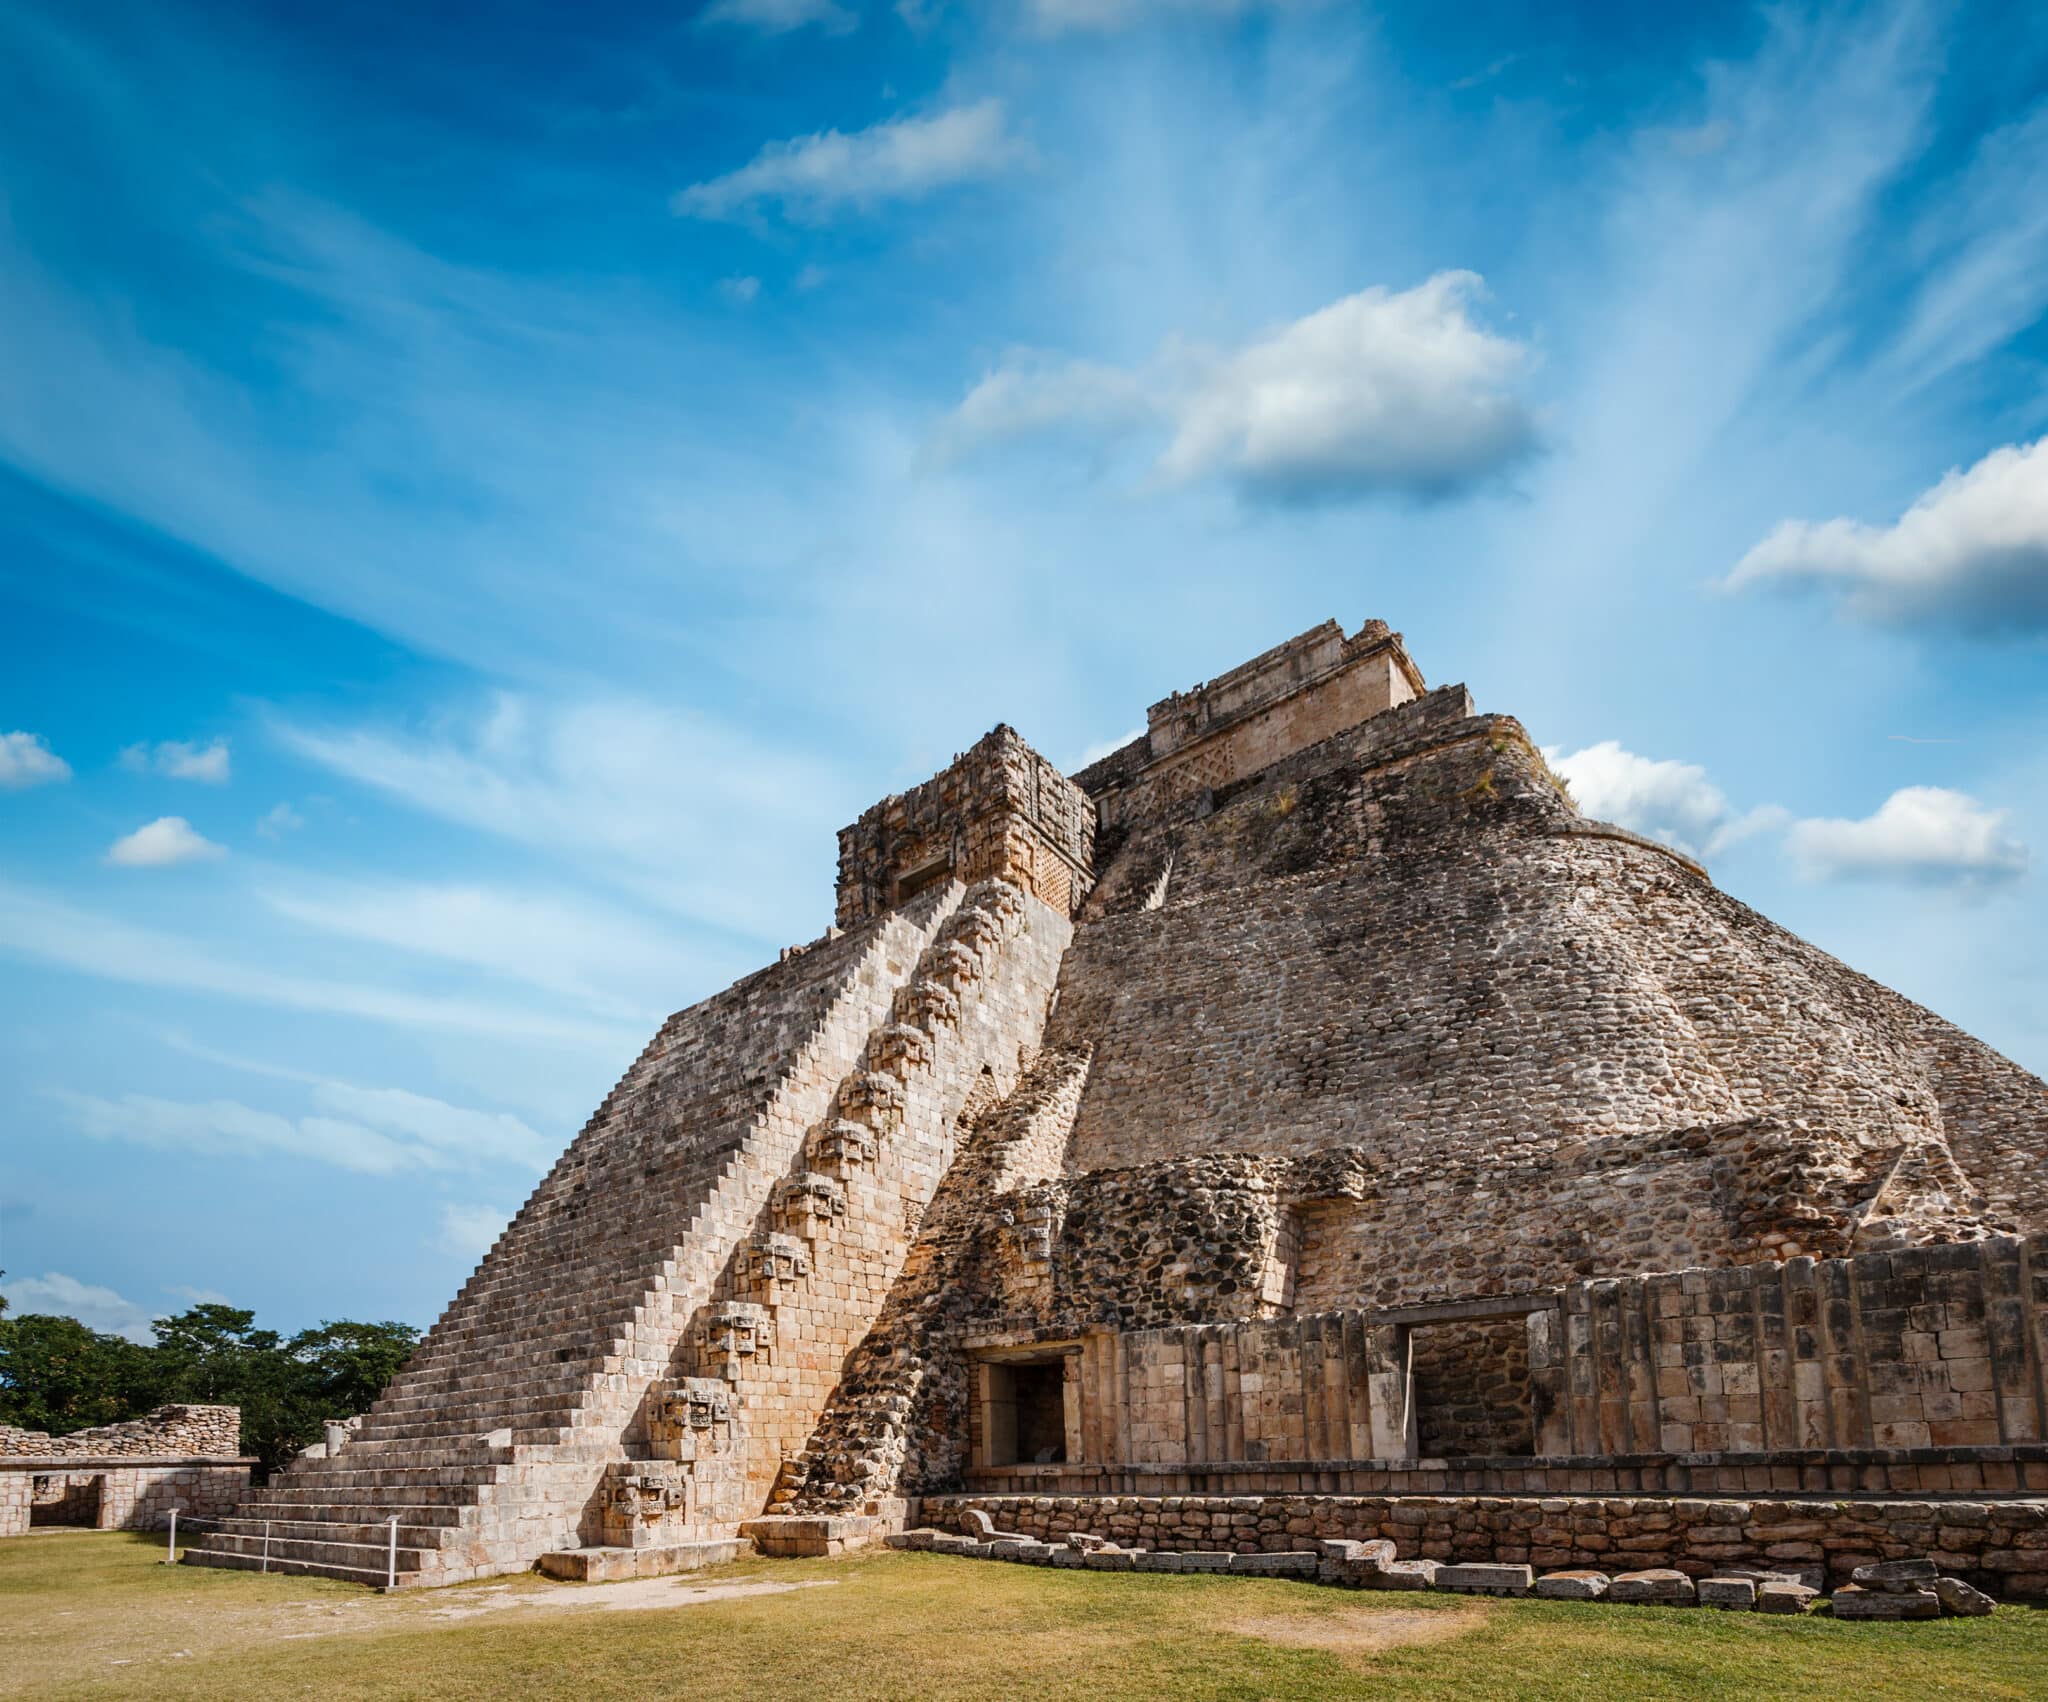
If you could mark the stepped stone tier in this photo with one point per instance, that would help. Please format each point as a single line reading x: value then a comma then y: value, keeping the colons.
x: 124, y: 1477
x: 1305, y: 1107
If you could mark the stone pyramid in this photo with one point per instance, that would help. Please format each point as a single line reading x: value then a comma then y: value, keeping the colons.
x: 1321, y: 994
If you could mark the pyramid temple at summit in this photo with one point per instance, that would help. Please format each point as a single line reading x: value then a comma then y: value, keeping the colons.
x: 1302, y: 1119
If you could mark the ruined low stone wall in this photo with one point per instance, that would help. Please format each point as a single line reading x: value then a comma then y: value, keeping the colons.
x: 132, y: 1495
x: 1999, y: 1546
x: 171, y: 1432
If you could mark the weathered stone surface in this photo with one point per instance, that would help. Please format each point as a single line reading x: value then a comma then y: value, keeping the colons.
x: 1408, y: 1575
x: 1572, y: 1586
x: 1777, y: 1597
x: 1661, y: 1585
x: 1727, y: 1592
x: 1959, y: 1598
x: 1853, y: 1601
x: 1487, y: 1579
x: 1906, y: 1575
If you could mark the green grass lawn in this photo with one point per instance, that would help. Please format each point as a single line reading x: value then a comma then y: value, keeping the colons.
x: 87, y: 1614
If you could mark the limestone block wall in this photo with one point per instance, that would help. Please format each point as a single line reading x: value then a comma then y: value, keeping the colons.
x: 1298, y: 693
x: 178, y: 1432
x: 999, y: 812
x: 1405, y: 941
x: 1927, y: 1346
x: 2000, y: 1546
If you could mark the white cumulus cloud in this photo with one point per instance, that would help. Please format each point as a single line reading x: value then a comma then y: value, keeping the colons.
x: 898, y: 160
x: 1385, y: 391
x: 1920, y: 836
x: 93, y: 1306
x: 1971, y: 552
x: 177, y: 760
x: 1671, y: 802
x: 158, y: 844
x: 279, y: 820
x: 779, y: 17
x: 26, y: 760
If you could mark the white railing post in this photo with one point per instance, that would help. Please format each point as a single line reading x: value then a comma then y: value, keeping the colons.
x: 174, y: 1538
x: 266, y: 1547
x: 391, y: 1557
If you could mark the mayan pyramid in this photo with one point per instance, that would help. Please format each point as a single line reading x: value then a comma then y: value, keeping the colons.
x: 1319, y: 1000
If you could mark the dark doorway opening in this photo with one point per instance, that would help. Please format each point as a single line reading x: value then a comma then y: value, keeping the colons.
x: 1041, y: 1414
x: 1024, y: 1412
x: 66, y: 1498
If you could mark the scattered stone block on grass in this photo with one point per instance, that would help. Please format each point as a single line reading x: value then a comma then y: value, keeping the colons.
x: 1775, y: 1597
x: 1576, y: 1586
x: 1295, y: 1564
x: 1489, y: 1580
x: 1738, y: 1593
x: 1961, y: 1599
x: 1659, y: 1586
x: 1408, y: 1575
x: 1906, y: 1576
x: 1854, y: 1601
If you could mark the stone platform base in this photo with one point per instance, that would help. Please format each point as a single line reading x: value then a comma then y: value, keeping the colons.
x: 799, y: 1537
x: 2000, y: 1546
x: 609, y: 1565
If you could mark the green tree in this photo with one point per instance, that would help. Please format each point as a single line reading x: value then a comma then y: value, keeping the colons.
x: 57, y: 1375
x: 348, y: 1364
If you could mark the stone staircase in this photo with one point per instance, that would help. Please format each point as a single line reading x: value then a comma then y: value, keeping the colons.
x: 802, y: 1291
x: 491, y: 1445
x: 737, y: 1210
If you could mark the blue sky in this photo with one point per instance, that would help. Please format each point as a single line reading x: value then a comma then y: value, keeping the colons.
x: 485, y: 492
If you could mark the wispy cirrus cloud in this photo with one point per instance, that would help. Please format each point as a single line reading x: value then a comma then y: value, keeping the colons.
x: 644, y: 795
x: 615, y: 963
x: 902, y: 159
x: 39, y: 924
x: 469, y: 1230
x: 1381, y: 393
x: 176, y: 759
x: 780, y: 17
x: 1971, y: 552
x: 375, y: 1132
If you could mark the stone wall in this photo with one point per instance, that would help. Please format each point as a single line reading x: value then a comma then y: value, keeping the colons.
x: 999, y: 812
x: 1472, y: 1394
x: 171, y: 1432
x: 2000, y: 1546
x: 1928, y: 1346
x: 1296, y: 694
x: 131, y: 1496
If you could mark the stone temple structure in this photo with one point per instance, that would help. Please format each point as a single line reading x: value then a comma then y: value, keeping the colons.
x: 1302, y: 1120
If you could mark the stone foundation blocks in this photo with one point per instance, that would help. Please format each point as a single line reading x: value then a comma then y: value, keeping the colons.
x: 1580, y: 1586
x: 1736, y: 1593
x: 1487, y: 1580
x: 1660, y: 1586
